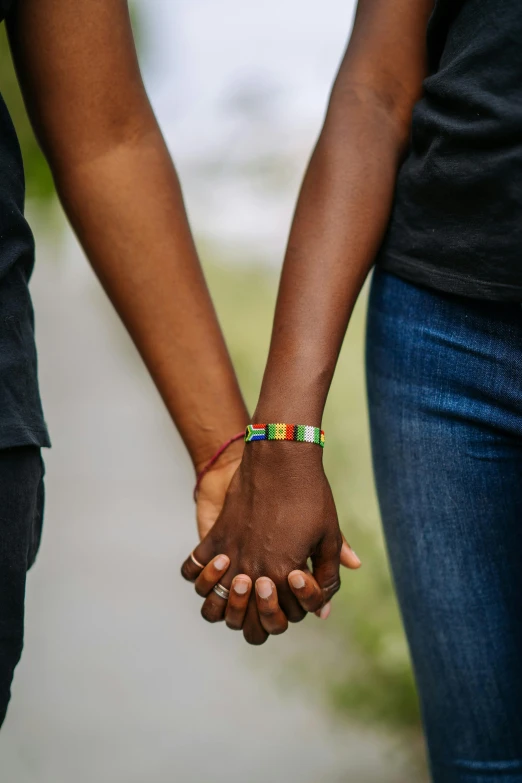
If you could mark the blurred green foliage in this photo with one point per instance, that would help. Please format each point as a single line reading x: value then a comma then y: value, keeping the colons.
x: 371, y: 679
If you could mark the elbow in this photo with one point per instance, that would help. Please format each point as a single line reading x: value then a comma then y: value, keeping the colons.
x: 385, y: 112
x: 84, y: 143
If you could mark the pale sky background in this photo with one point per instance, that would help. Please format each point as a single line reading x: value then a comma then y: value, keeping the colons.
x: 240, y: 90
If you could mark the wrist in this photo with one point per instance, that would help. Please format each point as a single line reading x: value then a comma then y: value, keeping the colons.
x: 293, y: 392
x: 205, y: 434
x: 231, y: 455
x: 282, y: 458
x: 288, y: 411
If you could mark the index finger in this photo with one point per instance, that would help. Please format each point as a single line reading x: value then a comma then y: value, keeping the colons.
x: 211, y: 575
x: 306, y: 590
x: 271, y: 615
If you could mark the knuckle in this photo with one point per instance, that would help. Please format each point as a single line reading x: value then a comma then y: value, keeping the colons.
x: 280, y: 578
x: 314, y: 603
x: 279, y: 629
x: 295, y: 615
x: 332, y: 586
x: 201, y: 589
x: 254, y: 636
x: 186, y: 572
x: 257, y: 641
x: 211, y: 612
x: 328, y: 595
x: 217, y: 543
x: 267, y: 611
x: 250, y: 567
x: 233, y: 623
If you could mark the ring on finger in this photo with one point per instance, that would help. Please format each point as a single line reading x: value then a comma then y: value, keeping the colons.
x: 223, y: 592
x: 332, y: 588
x: 196, y: 562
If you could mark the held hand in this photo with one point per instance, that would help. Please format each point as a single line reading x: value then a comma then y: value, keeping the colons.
x: 272, y: 618
x: 278, y: 513
x: 211, y: 494
x: 211, y: 498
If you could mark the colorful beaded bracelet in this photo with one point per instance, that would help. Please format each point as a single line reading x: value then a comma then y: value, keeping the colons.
x: 302, y: 433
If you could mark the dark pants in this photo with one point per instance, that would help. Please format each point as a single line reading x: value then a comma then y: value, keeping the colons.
x: 21, y: 514
x: 444, y: 378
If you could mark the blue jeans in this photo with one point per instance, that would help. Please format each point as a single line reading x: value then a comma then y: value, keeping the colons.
x: 444, y: 376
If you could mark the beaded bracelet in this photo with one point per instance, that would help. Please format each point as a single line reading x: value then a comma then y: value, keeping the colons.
x: 302, y: 433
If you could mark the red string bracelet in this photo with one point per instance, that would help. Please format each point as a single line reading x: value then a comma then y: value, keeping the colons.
x: 214, y: 459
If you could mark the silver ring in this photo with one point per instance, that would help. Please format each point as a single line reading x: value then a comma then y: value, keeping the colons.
x: 223, y: 592
x: 335, y: 586
x: 199, y: 565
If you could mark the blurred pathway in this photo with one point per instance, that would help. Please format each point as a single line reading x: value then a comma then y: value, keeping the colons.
x: 121, y: 681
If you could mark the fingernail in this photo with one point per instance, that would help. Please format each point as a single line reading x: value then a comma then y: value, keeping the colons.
x: 357, y: 558
x: 264, y: 588
x: 325, y: 611
x: 240, y: 586
x: 220, y: 562
x: 297, y: 581
x: 349, y: 551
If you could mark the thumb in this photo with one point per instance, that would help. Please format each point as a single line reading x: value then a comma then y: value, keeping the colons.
x: 348, y: 557
x: 325, y: 564
x: 207, y: 512
x: 211, y: 494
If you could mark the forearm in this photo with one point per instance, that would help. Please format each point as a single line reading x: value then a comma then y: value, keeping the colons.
x: 339, y: 223
x: 127, y: 209
x: 79, y: 74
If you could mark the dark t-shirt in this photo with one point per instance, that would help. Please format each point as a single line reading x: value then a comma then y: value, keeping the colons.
x: 5, y: 5
x: 21, y: 418
x: 456, y: 223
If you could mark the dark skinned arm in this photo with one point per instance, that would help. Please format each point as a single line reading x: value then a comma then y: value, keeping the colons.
x: 81, y: 82
x: 279, y: 510
x: 79, y: 74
